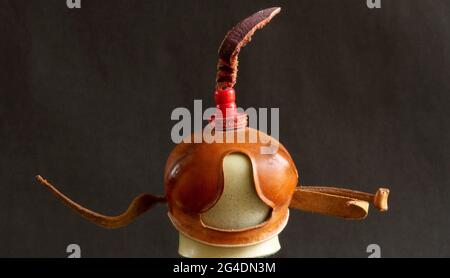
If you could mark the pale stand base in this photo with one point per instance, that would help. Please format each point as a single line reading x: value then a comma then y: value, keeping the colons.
x: 190, y: 248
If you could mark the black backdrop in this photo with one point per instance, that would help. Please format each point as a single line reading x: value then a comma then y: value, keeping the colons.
x: 86, y: 97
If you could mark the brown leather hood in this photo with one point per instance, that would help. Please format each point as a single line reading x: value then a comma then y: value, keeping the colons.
x: 193, y: 174
x: 194, y: 183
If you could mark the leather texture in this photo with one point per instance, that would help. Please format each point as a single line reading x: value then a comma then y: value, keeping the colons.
x: 138, y: 206
x: 194, y: 182
x: 338, y: 202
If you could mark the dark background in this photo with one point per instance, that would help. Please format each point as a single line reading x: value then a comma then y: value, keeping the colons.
x: 87, y: 94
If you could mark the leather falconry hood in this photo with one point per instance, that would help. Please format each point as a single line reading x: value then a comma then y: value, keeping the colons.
x: 194, y: 178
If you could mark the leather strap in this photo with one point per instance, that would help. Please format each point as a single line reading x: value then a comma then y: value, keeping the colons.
x: 139, y: 205
x: 333, y: 201
x: 338, y: 202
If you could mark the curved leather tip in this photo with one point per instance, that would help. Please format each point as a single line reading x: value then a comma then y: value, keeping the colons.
x: 235, y: 39
x: 380, y: 200
x: 338, y: 202
x: 139, y: 205
x: 357, y: 209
